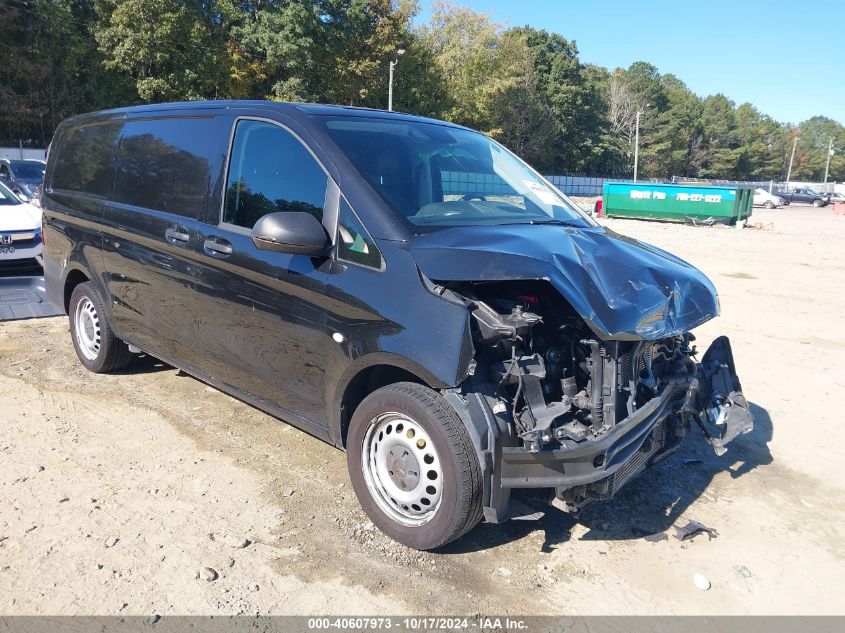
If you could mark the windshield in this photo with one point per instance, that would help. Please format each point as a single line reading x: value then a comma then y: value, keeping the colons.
x: 28, y: 170
x: 7, y: 197
x: 435, y: 176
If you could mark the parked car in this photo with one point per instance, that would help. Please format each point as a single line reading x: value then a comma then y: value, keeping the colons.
x: 403, y: 288
x: 805, y: 194
x: 836, y: 196
x: 20, y: 232
x: 763, y: 198
x: 23, y: 177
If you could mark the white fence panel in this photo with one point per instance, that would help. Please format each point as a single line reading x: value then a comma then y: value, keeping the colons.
x: 25, y: 153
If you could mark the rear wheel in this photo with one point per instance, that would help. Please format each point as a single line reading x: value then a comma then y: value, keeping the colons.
x: 769, y: 204
x: 96, y: 345
x: 413, y: 466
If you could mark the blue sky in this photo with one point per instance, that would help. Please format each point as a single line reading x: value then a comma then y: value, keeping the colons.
x: 786, y: 58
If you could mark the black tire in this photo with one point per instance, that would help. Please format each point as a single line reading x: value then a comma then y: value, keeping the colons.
x: 459, y: 509
x: 817, y: 203
x: 769, y: 204
x: 113, y: 354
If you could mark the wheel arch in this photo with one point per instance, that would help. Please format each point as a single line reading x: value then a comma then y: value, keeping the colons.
x: 370, y: 373
x: 74, y: 277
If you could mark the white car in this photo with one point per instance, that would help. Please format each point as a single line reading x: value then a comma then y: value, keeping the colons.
x: 20, y: 232
x: 763, y: 198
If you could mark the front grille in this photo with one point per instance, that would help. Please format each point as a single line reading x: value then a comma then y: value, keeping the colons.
x: 20, y: 239
x: 625, y: 370
x: 21, y: 244
x: 653, y: 444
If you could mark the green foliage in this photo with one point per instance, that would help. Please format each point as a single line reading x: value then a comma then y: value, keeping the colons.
x: 811, y: 155
x: 526, y: 87
x: 171, y: 49
x: 50, y: 67
x: 465, y: 55
x: 721, y: 150
x: 763, y: 144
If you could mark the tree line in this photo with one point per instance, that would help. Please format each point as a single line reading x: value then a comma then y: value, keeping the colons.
x: 524, y: 86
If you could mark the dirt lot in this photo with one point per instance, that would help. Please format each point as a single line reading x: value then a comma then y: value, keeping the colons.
x: 118, y: 491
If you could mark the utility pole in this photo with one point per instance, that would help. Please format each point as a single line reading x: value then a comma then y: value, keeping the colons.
x: 829, y: 154
x: 393, y: 63
x: 791, y: 158
x: 637, y: 141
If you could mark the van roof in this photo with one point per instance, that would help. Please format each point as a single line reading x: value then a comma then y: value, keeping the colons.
x: 295, y: 110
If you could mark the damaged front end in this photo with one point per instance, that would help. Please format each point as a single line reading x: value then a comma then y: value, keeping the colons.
x: 552, y: 405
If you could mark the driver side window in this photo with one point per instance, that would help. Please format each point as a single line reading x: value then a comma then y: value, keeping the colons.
x: 271, y: 171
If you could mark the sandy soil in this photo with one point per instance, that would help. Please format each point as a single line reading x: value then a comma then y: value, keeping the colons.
x: 116, y: 492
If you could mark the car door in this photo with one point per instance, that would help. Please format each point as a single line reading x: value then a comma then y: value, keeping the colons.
x: 150, y: 229
x: 260, y: 313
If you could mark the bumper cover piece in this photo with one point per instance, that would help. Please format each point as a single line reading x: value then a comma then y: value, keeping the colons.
x: 715, y: 400
x: 711, y: 396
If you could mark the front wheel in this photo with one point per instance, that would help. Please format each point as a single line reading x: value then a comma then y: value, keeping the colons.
x: 96, y: 345
x: 413, y: 466
x: 817, y: 203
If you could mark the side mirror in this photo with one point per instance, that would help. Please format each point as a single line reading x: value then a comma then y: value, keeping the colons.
x: 296, y: 232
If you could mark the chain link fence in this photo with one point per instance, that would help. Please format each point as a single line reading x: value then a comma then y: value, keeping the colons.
x: 587, y: 187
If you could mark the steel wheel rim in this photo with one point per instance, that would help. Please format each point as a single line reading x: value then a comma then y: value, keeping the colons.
x: 402, y: 469
x: 87, y: 327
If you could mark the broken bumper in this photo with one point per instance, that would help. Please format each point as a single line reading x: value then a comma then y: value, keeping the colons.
x: 595, y: 469
x: 588, y: 461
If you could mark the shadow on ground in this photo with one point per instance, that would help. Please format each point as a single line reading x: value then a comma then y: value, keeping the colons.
x: 143, y: 364
x: 650, y: 504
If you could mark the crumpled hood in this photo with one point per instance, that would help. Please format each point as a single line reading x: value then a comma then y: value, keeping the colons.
x: 624, y: 289
x: 19, y: 217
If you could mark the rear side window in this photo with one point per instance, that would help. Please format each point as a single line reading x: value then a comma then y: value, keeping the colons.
x: 271, y: 171
x: 163, y: 164
x: 86, y: 159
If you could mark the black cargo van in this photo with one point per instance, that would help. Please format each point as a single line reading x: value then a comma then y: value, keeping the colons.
x: 403, y: 288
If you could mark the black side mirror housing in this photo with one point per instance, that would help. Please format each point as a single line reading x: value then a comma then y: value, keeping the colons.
x: 296, y: 232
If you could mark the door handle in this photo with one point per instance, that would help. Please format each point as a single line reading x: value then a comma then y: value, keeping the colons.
x: 217, y: 247
x: 176, y: 235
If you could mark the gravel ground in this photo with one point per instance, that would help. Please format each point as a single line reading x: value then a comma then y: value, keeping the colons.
x: 149, y: 492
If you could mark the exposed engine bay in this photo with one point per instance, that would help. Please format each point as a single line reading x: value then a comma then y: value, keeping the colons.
x: 596, y: 412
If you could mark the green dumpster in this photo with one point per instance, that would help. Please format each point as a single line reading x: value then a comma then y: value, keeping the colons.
x: 676, y: 203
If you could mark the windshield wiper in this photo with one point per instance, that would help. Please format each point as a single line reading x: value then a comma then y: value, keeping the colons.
x: 557, y: 222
